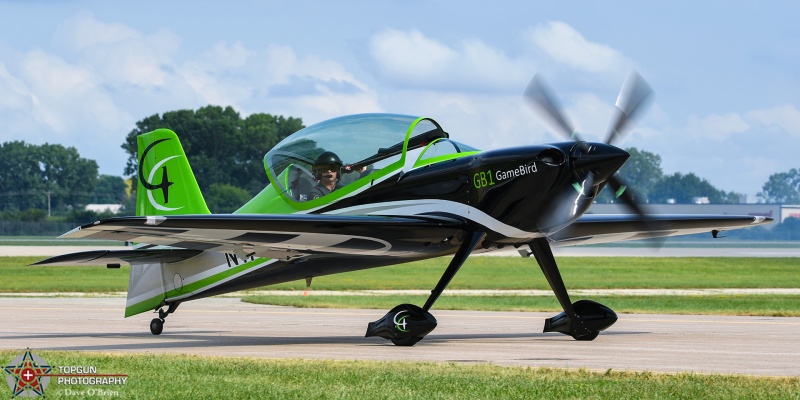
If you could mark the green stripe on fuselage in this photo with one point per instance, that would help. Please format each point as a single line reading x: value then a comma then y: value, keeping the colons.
x: 198, y: 286
x: 144, y: 306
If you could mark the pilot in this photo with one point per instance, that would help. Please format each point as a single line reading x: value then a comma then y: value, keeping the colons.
x: 327, y: 171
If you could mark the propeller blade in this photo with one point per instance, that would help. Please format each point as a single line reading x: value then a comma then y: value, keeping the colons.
x: 622, y: 192
x: 541, y: 99
x: 632, y: 99
x: 592, y: 170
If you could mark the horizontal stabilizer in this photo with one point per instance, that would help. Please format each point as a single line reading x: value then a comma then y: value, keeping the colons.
x: 105, y: 257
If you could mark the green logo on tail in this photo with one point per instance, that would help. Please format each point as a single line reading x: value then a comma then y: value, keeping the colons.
x: 165, y: 182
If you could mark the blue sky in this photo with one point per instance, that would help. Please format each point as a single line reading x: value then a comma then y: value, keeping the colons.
x: 726, y: 74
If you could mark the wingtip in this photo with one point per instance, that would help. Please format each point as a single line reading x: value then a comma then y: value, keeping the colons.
x: 74, y: 230
x: 757, y: 220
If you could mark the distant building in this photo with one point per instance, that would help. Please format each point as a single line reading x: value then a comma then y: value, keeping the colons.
x: 790, y: 211
x: 98, y: 208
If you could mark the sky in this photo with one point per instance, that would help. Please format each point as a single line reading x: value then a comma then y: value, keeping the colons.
x: 726, y: 74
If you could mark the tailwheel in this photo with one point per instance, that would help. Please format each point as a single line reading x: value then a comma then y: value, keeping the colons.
x: 156, y: 326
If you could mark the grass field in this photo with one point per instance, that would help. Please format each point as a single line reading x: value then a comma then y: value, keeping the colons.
x: 477, y: 273
x: 194, y: 377
x: 53, y: 241
x: 493, y: 273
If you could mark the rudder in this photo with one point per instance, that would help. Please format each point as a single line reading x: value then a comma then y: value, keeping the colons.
x: 167, y: 185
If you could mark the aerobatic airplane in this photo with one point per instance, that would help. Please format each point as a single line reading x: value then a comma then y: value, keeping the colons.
x: 372, y: 190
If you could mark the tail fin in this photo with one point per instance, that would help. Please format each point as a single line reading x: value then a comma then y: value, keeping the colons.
x: 166, y: 182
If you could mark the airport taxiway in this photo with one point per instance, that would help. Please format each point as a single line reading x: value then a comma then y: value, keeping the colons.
x: 228, y: 327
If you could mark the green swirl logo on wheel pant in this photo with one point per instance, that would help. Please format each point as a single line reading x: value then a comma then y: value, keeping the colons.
x: 400, y: 323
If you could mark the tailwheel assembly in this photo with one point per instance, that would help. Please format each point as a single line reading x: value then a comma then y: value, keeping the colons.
x: 157, y: 324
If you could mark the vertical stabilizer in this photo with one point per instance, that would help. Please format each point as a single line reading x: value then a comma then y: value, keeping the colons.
x: 166, y: 183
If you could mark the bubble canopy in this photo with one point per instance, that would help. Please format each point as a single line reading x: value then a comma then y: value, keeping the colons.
x: 369, y: 144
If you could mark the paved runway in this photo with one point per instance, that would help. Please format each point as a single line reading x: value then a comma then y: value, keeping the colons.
x: 228, y: 327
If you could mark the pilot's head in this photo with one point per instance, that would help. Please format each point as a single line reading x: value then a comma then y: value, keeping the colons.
x: 328, y: 166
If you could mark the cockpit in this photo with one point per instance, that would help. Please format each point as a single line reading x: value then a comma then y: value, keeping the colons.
x: 368, y: 148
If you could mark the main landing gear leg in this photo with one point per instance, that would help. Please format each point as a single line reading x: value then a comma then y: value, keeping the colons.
x: 407, y: 324
x: 582, y: 320
x: 157, y: 324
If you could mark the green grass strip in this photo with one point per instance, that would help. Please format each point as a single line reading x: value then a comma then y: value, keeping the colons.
x: 20, y: 276
x: 761, y: 305
x: 194, y: 377
x: 477, y: 273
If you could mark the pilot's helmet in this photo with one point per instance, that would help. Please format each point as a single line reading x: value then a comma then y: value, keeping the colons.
x: 328, y: 161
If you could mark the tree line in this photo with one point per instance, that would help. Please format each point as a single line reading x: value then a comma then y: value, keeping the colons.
x: 226, y: 154
x: 50, y: 181
x: 644, y: 175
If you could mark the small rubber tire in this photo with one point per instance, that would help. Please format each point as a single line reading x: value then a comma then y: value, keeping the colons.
x: 156, y: 326
x: 407, y: 341
x: 589, y: 337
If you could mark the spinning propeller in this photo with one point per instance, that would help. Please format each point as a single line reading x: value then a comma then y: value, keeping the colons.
x: 593, y: 164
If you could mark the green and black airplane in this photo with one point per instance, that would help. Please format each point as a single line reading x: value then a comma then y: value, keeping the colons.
x: 372, y: 190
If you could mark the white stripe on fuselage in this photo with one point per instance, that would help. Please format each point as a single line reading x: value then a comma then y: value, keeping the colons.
x: 429, y: 206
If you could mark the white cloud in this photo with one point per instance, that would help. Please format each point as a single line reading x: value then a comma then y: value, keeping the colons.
x: 223, y: 56
x: 412, y: 60
x: 411, y: 55
x: 83, y: 30
x: 14, y: 94
x: 331, y: 105
x: 110, y: 67
x: 278, y: 81
x: 568, y: 46
x: 210, y: 88
x: 65, y: 96
x: 123, y: 56
x: 59, y: 102
x: 785, y: 117
x: 716, y: 126
x: 219, y: 75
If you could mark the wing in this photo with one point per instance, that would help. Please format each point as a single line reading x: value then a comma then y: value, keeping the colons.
x: 599, y: 228
x: 273, y: 236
